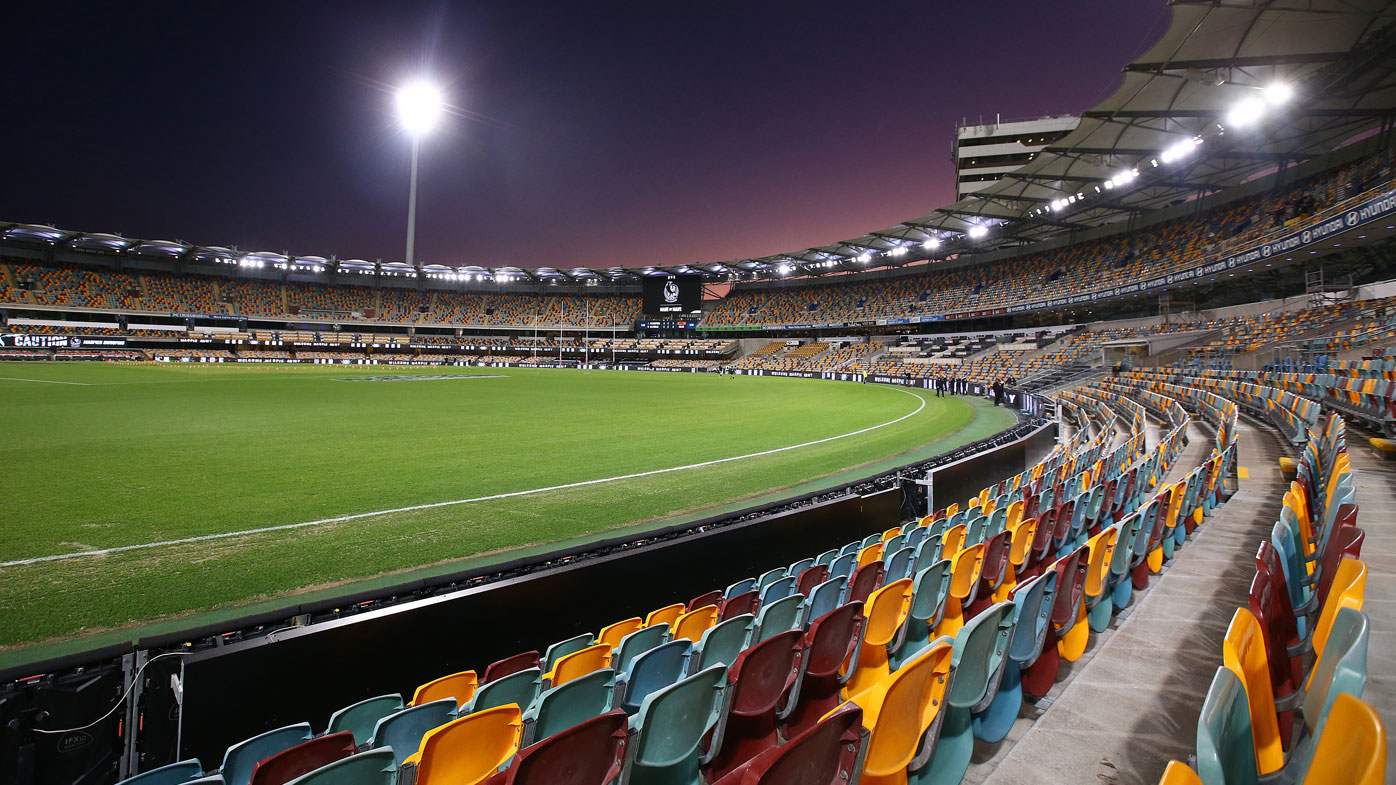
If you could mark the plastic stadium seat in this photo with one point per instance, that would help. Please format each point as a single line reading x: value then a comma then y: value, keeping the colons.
x: 668, y: 731
x: 460, y: 686
x: 831, y: 643
x: 469, y: 750
x: 303, y: 758
x: 902, y: 714
x: 829, y: 753
x: 1225, y: 752
x: 757, y: 682
x: 651, y: 671
x: 691, y: 625
x: 1352, y: 748
x: 359, y: 718
x: 519, y: 688
x: 811, y: 577
x: 929, y: 591
x: 722, y: 643
x: 243, y: 757
x: 510, y: 665
x: 666, y: 615
x: 612, y: 634
x: 979, y: 656
x: 404, y: 730
x: 375, y: 767
x: 740, y: 587
x: 711, y: 598
x: 589, y: 753
x: 1342, y: 670
x: 1178, y: 773
x: 641, y: 640
x: 778, y: 589
x: 1066, y: 605
x: 563, y: 648
x: 886, y: 611
x: 579, y: 663
x: 171, y: 774
x: 1243, y: 652
x: 739, y: 605
x: 1032, y: 612
x: 779, y: 616
x: 865, y: 581
x: 825, y: 597
x: 561, y: 707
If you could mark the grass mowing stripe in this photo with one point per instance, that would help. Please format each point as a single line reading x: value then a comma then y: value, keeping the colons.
x: 511, y: 494
x: 41, y: 381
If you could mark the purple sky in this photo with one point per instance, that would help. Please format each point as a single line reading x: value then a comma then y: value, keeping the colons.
x: 602, y: 133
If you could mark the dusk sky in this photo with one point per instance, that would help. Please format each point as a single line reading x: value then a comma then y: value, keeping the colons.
x: 593, y: 134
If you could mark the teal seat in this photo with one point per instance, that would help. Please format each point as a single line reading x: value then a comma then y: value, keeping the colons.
x: 843, y: 566
x: 916, y: 536
x: 641, y: 640
x: 404, y: 730
x: 243, y: 757
x: 561, y: 649
x: 375, y: 767
x: 171, y: 774
x: 722, y: 642
x: 825, y: 597
x: 827, y: 557
x: 929, y: 590
x: 1032, y: 616
x: 779, y: 616
x: 778, y: 589
x: 800, y: 566
x: 740, y: 587
x: 1342, y: 669
x: 568, y: 704
x: 978, y: 657
x: 1225, y: 751
x: 893, y: 544
x: 668, y: 730
x: 870, y: 540
x: 650, y: 672
x: 899, y: 564
x: 519, y: 688
x: 359, y: 718
x: 770, y: 576
x: 927, y: 553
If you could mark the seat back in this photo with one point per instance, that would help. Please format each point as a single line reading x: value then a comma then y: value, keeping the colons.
x: 1352, y: 749
x: 241, y: 758
x: 825, y: 597
x: 519, y: 688
x: 1071, y: 585
x: 691, y: 625
x: 722, y: 642
x: 375, y: 767
x: 764, y: 673
x: 460, y: 686
x: 1243, y: 652
x: 666, y: 615
x: 980, y: 649
x: 1341, y: 669
x: 589, y: 753
x: 510, y: 665
x: 779, y: 616
x: 653, y: 670
x: 830, y: 753
x: 613, y: 634
x: 1348, y: 590
x: 832, y: 640
x: 811, y: 577
x: 359, y: 718
x: 579, y: 663
x: 670, y: 727
x: 1032, y: 617
x: 1225, y: 751
x: 565, y: 705
x: 404, y: 730
x: 303, y: 758
x: 170, y: 774
x: 469, y: 750
x: 866, y: 580
x: 741, y: 604
x: 902, y: 708
x: 563, y: 648
x: 777, y: 590
x: 641, y: 640
x: 899, y: 563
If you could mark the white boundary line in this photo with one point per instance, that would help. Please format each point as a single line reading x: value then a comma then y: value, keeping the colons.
x: 40, y: 381
x: 511, y: 494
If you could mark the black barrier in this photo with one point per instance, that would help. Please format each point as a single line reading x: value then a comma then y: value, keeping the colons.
x: 306, y: 674
x: 963, y: 479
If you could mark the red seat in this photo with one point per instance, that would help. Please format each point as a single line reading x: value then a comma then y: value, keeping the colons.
x: 746, y: 602
x: 866, y: 580
x: 711, y: 598
x: 831, y: 643
x: 1066, y: 604
x: 303, y: 758
x: 511, y: 665
x: 825, y: 754
x: 757, y: 681
x: 589, y: 753
x: 811, y: 577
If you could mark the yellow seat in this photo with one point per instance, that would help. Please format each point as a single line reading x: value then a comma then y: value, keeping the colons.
x: 579, y: 663
x: 890, y: 533
x: 611, y: 634
x: 1243, y: 653
x: 1349, y: 590
x: 1020, y: 544
x: 460, y: 686
x: 965, y: 570
x: 666, y: 615
x: 469, y: 750
x: 693, y: 624
x: 897, y: 711
x: 1351, y: 750
x: 952, y: 539
x: 886, y: 610
x: 870, y: 554
x: 1386, y: 448
x: 1178, y: 773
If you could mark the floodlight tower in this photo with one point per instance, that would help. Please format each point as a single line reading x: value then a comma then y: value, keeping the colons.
x: 419, y: 105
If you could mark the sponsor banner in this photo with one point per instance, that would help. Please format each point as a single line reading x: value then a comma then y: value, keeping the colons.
x: 26, y: 341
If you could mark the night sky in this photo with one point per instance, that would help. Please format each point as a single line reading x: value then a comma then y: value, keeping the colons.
x: 591, y: 134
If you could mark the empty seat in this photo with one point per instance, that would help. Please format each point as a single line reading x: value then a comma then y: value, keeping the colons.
x: 241, y: 758
x: 563, y: 648
x: 757, y: 682
x: 829, y: 753
x: 565, y: 705
x: 722, y: 642
x: 668, y: 730
x: 510, y: 665
x: 579, y: 663
x: 612, y: 634
x: 404, y: 730
x: 375, y: 767
x: 359, y: 718
x: 666, y: 615
x: 303, y: 758
x: 886, y: 611
x: 469, y: 750
x: 1352, y: 747
x: 640, y: 640
x: 781, y: 615
x: 519, y: 688
x: 902, y: 714
x: 650, y: 671
x: 460, y: 686
x: 589, y: 753
x: 831, y: 646
x: 692, y: 625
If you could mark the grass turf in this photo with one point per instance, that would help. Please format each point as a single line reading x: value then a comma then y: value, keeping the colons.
x: 125, y: 455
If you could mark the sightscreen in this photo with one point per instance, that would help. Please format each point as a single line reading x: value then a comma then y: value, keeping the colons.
x: 672, y: 295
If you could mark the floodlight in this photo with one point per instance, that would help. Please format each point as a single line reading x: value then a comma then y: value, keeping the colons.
x: 976, y: 232
x: 1278, y: 93
x: 1246, y: 112
x: 864, y: 257
x: 931, y: 244
x: 418, y: 107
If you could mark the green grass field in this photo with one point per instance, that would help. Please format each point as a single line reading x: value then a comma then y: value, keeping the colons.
x: 131, y: 455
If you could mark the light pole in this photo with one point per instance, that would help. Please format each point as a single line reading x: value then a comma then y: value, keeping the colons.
x: 418, y: 107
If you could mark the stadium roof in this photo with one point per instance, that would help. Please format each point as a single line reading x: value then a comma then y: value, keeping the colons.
x: 1231, y: 91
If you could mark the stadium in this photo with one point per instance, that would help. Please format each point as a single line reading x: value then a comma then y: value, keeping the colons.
x: 1087, y: 475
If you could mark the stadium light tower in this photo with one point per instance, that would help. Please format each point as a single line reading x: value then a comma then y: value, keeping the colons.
x: 419, y: 105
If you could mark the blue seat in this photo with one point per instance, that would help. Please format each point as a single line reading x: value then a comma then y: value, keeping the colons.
x: 359, y: 718
x: 778, y: 589
x: 171, y: 774
x: 740, y: 587
x: 243, y: 757
x: 800, y: 566
x: 843, y: 566
x: 404, y: 730
x: 568, y: 704
x: 825, y: 597
x: 779, y: 616
x: 1032, y: 615
x: 899, y: 564
x: 651, y: 671
x: 641, y: 640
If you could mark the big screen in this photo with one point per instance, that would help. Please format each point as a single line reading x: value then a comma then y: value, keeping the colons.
x: 672, y: 295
